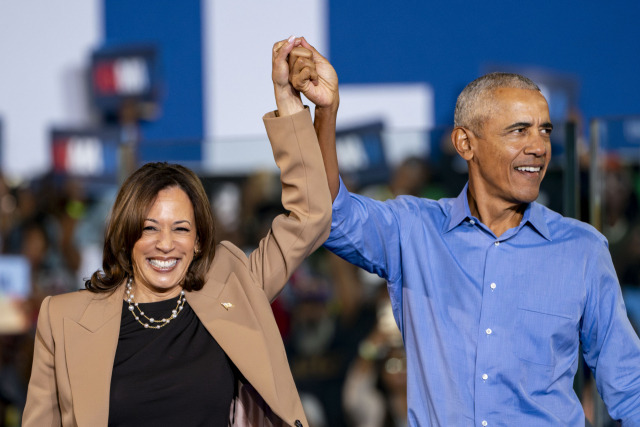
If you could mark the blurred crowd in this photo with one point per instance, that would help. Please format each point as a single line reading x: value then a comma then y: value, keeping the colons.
x: 38, y: 223
x: 343, y: 345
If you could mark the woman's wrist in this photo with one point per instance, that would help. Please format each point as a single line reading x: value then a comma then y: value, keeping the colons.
x: 287, y: 102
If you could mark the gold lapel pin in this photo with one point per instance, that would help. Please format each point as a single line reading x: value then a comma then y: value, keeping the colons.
x: 226, y: 305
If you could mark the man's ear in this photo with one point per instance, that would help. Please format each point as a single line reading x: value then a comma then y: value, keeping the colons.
x: 461, y: 139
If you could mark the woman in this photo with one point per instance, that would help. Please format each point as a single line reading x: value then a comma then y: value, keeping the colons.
x: 176, y: 330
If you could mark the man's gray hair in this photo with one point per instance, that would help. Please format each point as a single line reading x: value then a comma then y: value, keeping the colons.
x: 473, y: 106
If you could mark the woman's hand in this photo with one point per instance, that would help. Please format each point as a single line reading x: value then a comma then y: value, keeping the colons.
x: 287, y: 98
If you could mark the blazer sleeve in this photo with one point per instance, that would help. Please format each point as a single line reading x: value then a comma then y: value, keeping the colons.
x: 305, y: 196
x: 42, y: 408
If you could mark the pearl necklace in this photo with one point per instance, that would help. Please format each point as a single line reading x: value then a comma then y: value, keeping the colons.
x: 162, y: 322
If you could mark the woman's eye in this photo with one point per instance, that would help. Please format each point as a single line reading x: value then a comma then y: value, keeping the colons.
x: 183, y: 229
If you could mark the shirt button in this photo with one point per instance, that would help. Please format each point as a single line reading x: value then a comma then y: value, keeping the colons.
x: 485, y: 377
x: 493, y: 286
x: 472, y: 221
x: 488, y: 331
x: 497, y: 243
x: 484, y: 423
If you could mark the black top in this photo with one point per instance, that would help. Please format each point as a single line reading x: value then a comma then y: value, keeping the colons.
x: 177, y: 375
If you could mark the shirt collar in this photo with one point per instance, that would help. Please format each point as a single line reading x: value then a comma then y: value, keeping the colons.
x: 459, y: 211
x: 534, y: 215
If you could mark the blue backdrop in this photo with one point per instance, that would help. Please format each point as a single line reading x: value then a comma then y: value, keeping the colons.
x: 446, y: 44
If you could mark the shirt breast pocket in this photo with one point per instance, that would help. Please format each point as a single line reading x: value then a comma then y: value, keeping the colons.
x: 542, y: 337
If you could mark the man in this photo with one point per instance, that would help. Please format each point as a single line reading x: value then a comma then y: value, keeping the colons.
x: 493, y: 292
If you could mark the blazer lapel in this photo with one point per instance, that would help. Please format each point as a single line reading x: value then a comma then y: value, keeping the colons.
x: 90, y: 347
x: 230, y: 317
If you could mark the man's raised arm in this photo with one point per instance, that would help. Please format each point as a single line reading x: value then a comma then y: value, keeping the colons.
x: 315, y: 77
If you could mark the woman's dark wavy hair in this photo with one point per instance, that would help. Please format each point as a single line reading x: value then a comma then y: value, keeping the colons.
x: 126, y: 221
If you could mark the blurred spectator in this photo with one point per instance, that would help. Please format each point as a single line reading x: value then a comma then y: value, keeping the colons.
x: 44, y: 234
x: 621, y: 226
x: 15, y: 365
x: 413, y: 177
x: 48, y: 274
x: 450, y: 170
x: 329, y: 317
x: 260, y: 200
x: 620, y: 218
x: 375, y: 389
x: 410, y: 177
x: 7, y: 211
x: 620, y: 205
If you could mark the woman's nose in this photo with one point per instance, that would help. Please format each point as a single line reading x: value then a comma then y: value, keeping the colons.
x: 165, y: 241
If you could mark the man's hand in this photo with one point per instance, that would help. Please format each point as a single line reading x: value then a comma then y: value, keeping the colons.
x: 311, y: 74
x: 287, y: 98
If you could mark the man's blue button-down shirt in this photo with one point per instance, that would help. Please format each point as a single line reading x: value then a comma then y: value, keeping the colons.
x: 492, y: 325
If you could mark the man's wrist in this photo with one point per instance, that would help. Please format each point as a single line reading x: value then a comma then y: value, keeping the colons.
x: 326, y: 117
x: 328, y: 111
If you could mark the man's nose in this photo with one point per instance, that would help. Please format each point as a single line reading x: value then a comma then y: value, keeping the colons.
x: 538, y: 144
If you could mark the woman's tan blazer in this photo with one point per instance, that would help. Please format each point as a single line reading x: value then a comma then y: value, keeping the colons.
x: 77, y: 333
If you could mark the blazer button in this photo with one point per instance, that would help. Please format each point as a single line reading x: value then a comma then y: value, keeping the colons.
x: 298, y: 423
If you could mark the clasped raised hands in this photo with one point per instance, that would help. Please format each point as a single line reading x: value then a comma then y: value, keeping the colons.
x: 311, y: 74
x: 299, y: 68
